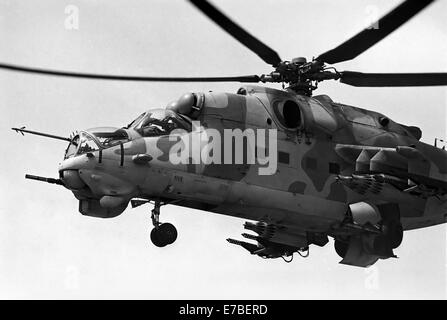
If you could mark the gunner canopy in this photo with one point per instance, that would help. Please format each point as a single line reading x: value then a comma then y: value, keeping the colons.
x: 94, y: 139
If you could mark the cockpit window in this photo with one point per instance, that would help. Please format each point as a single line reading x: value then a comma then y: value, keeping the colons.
x: 80, y: 144
x: 109, y: 138
x: 159, y: 122
x: 95, y: 139
x: 87, y: 144
x: 136, y: 121
x: 72, y: 147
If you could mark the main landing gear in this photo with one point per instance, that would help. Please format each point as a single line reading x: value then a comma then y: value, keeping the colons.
x: 162, y: 234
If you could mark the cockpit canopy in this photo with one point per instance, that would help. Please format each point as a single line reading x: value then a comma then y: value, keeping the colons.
x: 157, y: 122
x: 94, y: 139
x: 109, y: 136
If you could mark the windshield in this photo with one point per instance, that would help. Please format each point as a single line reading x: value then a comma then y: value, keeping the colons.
x: 159, y: 122
x: 136, y: 121
x: 95, y: 139
x: 72, y: 147
x: 81, y: 144
x: 88, y: 144
x: 109, y: 137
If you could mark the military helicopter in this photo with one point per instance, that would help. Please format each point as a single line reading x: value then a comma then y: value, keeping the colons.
x: 343, y: 172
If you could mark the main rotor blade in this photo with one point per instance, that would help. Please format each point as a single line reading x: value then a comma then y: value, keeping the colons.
x: 359, y: 79
x: 262, y: 50
x: 379, y: 30
x: 250, y: 78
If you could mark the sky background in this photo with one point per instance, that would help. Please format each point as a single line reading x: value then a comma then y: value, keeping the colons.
x: 49, y: 250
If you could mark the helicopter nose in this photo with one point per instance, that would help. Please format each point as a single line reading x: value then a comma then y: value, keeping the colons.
x: 71, y: 179
x: 69, y: 172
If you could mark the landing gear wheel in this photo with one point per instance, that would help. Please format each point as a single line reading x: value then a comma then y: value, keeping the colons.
x: 168, y: 232
x: 156, y: 239
x: 163, y: 234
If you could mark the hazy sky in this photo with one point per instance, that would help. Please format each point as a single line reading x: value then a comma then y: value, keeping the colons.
x: 49, y: 250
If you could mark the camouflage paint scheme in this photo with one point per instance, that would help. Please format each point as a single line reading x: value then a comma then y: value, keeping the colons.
x: 336, y: 156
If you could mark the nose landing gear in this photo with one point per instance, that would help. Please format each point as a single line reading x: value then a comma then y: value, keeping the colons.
x: 162, y: 234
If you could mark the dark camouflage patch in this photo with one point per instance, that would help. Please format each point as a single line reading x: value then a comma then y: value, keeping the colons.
x: 165, y: 145
x: 438, y: 156
x: 297, y: 187
x: 316, y: 164
x: 337, y: 193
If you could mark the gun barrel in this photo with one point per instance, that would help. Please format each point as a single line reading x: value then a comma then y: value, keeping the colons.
x: 44, y: 179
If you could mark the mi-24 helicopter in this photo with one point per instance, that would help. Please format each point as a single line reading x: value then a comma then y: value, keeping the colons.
x: 336, y: 170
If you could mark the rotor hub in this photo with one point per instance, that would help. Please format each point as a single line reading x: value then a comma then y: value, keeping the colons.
x: 301, y: 76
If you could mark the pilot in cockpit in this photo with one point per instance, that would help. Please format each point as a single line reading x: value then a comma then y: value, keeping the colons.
x: 161, y: 122
x: 156, y: 127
